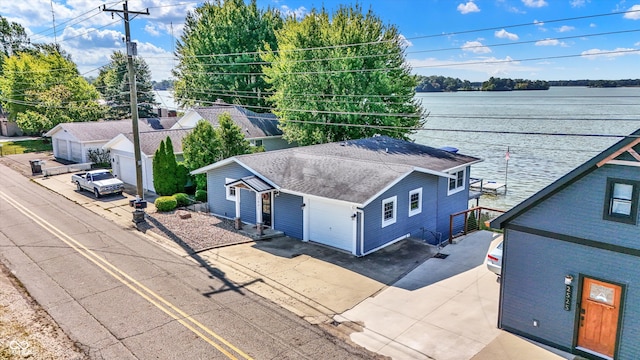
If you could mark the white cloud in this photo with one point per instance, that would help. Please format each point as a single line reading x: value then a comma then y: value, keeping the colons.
x: 504, y: 34
x: 534, y: 3
x: 84, y: 38
x: 151, y: 29
x: 550, y: 42
x: 617, y: 52
x: 635, y: 15
x: 475, y: 47
x: 299, y: 13
x: 404, y: 41
x: 487, y: 66
x: 637, y: 44
x: 592, y: 25
x: 579, y: 3
x: 565, y: 28
x: 469, y: 7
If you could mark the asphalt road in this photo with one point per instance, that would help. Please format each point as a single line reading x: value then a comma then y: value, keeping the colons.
x: 121, y: 296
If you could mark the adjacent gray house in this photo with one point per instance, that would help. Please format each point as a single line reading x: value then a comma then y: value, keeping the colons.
x: 260, y: 129
x: 357, y: 195
x: 122, y: 154
x: 72, y: 141
x: 571, y: 259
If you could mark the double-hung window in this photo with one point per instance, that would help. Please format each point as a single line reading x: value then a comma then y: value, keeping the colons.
x: 415, y: 201
x: 621, y: 200
x: 457, y: 182
x: 231, y: 190
x: 389, y: 209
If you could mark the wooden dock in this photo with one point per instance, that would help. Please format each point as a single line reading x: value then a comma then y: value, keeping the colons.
x: 487, y: 187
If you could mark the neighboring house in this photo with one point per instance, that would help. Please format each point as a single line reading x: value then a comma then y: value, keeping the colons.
x: 72, y: 141
x: 123, y: 157
x: 261, y: 129
x: 358, y: 195
x: 571, y: 259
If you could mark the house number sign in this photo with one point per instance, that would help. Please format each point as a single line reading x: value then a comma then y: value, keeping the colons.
x: 568, y: 291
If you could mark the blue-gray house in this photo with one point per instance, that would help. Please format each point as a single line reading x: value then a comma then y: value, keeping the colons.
x: 571, y: 259
x: 357, y: 195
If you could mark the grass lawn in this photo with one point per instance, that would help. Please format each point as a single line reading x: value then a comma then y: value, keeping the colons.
x: 25, y: 146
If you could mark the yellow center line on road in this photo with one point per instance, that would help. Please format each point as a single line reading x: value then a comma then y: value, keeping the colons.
x: 146, y: 293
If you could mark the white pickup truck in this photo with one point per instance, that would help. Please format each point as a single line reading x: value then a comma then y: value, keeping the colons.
x: 101, y: 182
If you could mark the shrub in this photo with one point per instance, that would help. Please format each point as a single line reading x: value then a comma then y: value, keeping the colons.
x: 166, y: 203
x: 182, y: 199
x: 201, y: 195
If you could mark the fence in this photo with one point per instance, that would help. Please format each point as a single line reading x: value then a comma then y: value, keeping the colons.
x: 56, y: 170
x: 475, y: 219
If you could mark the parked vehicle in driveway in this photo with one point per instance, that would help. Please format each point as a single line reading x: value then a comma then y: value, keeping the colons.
x: 100, y: 182
x: 494, y: 260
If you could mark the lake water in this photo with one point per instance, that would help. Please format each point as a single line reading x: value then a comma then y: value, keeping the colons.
x: 477, y: 124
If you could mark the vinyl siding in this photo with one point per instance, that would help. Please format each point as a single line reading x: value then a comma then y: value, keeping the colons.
x: 375, y: 235
x: 217, y: 197
x: 451, y: 204
x: 533, y: 288
x: 577, y: 210
x: 288, y: 214
x: 275, y: 143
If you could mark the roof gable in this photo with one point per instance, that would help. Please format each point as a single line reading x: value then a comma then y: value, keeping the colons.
x: 150, y: 140
x: 608, y: 156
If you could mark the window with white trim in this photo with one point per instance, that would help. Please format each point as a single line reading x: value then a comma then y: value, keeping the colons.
x: 457, y: 184
x: 231, y: 190
x: 621, y: 200
x: 415, y: 201
x: 389, y: 208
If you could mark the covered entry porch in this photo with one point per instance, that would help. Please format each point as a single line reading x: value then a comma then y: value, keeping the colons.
x: 263, y: 193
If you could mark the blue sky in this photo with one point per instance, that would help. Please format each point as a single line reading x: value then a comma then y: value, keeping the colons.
x: 468, y: 39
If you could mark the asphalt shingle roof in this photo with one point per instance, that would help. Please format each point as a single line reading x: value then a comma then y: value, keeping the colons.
x: 352, y: 171
x: 101, y: 130
x: 254, y: 125
x: 150, y: 140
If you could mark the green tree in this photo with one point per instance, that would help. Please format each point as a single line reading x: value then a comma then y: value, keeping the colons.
x: 43, y: 88
x: 220, y: 41
x: 13, y: 38
x: 206, y: 145
x: 319, y: 79
x: 171, y: 167
x: 159, y: 174
x: 113, y: 84
x: 200, y: 148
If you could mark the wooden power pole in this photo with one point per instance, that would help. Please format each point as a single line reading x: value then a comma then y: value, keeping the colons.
x: 131, y: 52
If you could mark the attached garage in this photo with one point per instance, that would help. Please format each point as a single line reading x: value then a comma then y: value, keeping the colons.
x: 330, y: 223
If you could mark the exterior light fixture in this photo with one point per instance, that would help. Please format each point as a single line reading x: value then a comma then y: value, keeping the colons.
x: 568, y: 279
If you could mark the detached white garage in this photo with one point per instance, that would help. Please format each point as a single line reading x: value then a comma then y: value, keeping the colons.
x: 330, y: 223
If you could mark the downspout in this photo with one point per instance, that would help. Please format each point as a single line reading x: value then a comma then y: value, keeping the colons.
x: 361, y: 217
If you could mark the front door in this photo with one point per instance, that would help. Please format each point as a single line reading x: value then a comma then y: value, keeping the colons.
x: 266, y: 209
x: 599, y: 316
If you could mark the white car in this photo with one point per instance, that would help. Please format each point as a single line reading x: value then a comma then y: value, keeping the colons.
x: 494, y: 260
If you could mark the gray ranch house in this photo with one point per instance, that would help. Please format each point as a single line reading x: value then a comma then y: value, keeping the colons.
x: 72, y: 141
x: 358, y: 196
x: 123, y: 157
x: 260, y: 129
x: 571, y: 259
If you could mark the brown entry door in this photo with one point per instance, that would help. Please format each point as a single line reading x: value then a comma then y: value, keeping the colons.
x: 599, y: 315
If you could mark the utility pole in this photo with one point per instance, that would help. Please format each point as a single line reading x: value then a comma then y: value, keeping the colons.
x: 132, y: 51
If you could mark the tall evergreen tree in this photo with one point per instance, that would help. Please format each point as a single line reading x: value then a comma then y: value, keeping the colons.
x: 171, y: 167
x: 343, y: 68
x: 113, y: 84
x: 159, y: 172
x: 220, y: 40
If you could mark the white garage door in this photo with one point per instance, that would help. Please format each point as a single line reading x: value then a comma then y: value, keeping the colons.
x: 62, y: 149
x: 76, y: 151
x: 331, y: 224
x: 127, y: 171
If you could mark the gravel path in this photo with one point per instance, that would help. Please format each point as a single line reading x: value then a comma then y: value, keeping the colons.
x: 197, y: 233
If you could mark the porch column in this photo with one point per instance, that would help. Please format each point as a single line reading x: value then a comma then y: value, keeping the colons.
x: 258, y: 208
x: 237, y: 220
